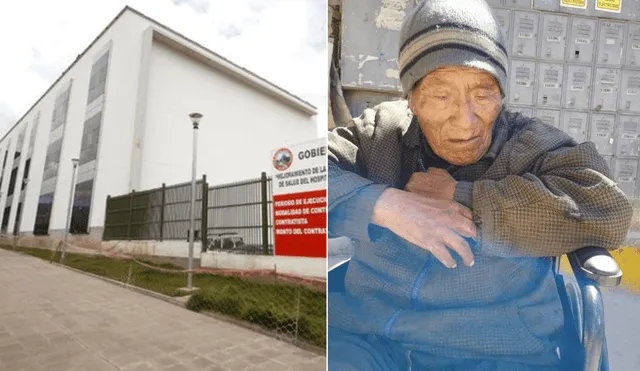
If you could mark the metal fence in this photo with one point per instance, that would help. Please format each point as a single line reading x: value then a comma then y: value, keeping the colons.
x: 234, y: 217
x: 239, y: 217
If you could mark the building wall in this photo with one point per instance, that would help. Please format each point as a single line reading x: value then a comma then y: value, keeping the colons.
x: 115, y: 147
x: 125, y: 38
x: 21, y: 156
x: 239, y: 130
x: 141, y: 129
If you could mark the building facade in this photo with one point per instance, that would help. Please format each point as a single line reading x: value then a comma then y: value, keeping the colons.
x: 122, y: 110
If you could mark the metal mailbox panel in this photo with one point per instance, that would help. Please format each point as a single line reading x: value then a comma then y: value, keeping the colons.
x: 503, y: 16
x: 524, y: 4
x: 628, y: 134
x: 575, y: 124
x: 630, y: 94
x: 369, y: 44
x: 494, y: 2
x: 626, y: 9
x: 549, y: 116
x: 582, y: 40
x: 578, y: 87
x: 550, y: 77
x: 602, y: 128
x: 605, y: 91
x: 632, y: 53
x: 549, y: 5
x: 525, y: 111
x: 554, y: 36
x: 525, y: 34
x: 625, y: 174
x: 522, y: 82
x: 611, y: 37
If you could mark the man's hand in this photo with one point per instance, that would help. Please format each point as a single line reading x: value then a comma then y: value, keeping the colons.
x: 432, y: 224
x: 435, y: 183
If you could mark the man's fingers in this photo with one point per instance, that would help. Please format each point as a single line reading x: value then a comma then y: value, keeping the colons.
x: 441, y: 253
x: 460, y: 246
x: 461, y: 224
x: 465, y: 211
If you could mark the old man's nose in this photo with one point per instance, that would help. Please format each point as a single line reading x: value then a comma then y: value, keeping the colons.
x: 466, y: 116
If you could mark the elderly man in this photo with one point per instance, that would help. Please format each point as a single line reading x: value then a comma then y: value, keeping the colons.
x: 456, y: 206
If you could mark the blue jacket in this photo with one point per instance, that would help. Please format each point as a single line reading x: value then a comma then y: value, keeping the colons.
x: 536, y: 194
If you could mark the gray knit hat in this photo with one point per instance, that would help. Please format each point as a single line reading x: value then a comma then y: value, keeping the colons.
x: 440, y: 33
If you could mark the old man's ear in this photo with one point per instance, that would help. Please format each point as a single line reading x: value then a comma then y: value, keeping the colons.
x: 411, y: 108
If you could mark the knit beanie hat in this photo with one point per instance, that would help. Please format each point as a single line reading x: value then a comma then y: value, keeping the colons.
x: 440, y: 33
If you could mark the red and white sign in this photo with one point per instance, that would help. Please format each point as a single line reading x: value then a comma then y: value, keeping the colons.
x: 300, y: 199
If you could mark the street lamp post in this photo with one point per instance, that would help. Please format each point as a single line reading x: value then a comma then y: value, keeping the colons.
x: 74, y: 162
x: 195, y: 120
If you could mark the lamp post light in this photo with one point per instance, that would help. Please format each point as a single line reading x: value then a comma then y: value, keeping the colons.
x: 74, y: 162
x: 195, y: 120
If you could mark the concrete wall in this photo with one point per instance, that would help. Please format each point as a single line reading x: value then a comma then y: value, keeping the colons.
x: 305, y: 267
x: 177, y: 253
x: 240, y: 127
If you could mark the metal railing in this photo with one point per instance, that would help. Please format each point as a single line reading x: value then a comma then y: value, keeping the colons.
x: 235, y: 217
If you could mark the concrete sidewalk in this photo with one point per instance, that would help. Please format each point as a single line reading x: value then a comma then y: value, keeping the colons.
x: 55, y: 319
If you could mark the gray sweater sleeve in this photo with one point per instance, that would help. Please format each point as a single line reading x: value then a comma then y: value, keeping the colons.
x: 551, y: 196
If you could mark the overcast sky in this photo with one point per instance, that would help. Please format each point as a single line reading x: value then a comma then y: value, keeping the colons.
x: 283, y: 41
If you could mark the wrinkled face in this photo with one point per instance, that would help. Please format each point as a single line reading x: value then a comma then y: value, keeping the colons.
x: 456, y: 108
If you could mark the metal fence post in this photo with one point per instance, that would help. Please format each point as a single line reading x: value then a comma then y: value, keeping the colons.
x: 205, y: 211
x: 164, y: 186
x: 265, y: 213
x: 133, y: 192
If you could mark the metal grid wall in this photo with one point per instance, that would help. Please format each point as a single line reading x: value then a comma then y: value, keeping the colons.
x: 237, y: 216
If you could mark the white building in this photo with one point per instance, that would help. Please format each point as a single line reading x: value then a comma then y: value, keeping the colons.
x: 122, y: 108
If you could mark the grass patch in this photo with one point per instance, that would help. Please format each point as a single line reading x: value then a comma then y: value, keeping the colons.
x: 283, y: 308
x: 294, y: 310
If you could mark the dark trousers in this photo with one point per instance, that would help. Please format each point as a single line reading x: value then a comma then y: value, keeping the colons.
x: 356, y: 352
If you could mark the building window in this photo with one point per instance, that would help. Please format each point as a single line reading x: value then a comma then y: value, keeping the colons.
x: 60, y: 110
x: 4, y: 163
x: 19, y: 144
x: 12, y: 181
x: 34, y: 132
x: 43, y: 215
x: 52, y: 161
x: 90, y: 139
x: 27, y: 166
x: 5, y: 219
x: 16, y: 226
x: 81, y: 207
x: 98, y: 79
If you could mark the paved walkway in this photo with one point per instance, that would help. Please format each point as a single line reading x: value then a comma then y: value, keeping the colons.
x: 54, y: 319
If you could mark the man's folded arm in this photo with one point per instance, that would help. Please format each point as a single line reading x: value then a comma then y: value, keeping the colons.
x: 563, y: 203
x: 351, y: 196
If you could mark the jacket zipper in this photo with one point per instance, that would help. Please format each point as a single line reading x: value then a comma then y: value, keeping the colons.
x: 418, y: 282
x: 390, y: 322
